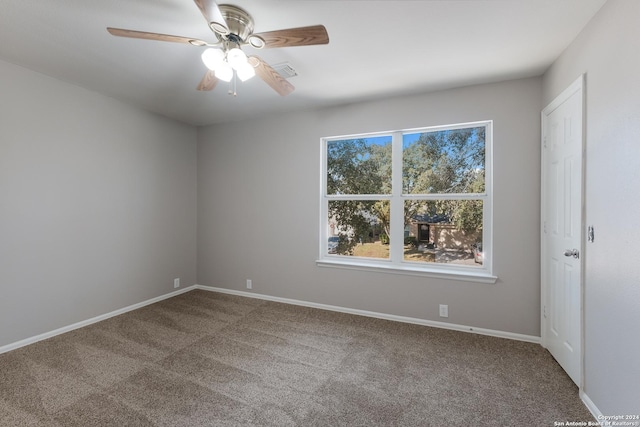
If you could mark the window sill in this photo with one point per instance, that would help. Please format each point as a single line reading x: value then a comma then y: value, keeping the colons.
x: 466, y: 276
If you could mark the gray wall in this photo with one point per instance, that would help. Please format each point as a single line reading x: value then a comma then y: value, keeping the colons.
x: 258, y: 208
x: 97, y: 204
x: 608, y: 52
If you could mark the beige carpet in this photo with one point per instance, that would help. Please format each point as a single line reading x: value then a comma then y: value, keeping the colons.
x: 210, y: 359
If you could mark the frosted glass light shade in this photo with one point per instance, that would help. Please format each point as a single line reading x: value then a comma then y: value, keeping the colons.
x: 245, y: 71
x: 224, y: 72
x: 212, y: 58
x: 236, y: 58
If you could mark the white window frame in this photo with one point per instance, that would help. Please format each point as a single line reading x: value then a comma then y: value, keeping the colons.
x: 396, y: 263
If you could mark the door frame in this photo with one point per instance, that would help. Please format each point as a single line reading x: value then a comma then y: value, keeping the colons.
x: 577, y: 85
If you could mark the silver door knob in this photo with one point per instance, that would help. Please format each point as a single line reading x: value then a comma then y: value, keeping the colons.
x: 572, y: 252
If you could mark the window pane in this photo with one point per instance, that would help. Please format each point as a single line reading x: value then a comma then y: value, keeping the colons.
x: 359, y: 228
x: 446, y: 161
x: 359, y: 166
x: 443, y: 231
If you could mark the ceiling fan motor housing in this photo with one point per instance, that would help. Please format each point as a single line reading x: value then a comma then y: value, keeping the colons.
x: 239, y: 22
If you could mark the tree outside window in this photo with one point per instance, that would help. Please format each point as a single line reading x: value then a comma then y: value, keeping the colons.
x: 418, y: 196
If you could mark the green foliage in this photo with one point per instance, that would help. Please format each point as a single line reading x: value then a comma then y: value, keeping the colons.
x: 384, y: 238
x: 411, y: 240
x: 467, y: 215
x: 441, y: 162
x: 382, y: 210
x: 345, y: 245
x: 358, y: 166
x: 355, y: 166
x: 445, y: 162
x: 351, y: 215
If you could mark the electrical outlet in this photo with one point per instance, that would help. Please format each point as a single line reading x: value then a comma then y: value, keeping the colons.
x: 176, y: 283
x: 249, y: 284
x: 444, y: 310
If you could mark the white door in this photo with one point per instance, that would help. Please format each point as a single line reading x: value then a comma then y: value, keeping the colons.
x: 562, y: 229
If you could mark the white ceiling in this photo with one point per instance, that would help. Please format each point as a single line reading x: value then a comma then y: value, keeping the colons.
x: 377, y: 49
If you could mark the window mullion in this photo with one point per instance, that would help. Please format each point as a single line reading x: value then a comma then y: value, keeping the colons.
x: 358, y: 197
x: 396, y: 249
x: 446, y: 196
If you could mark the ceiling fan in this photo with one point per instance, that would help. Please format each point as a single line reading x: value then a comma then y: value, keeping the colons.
x: 233, y: 28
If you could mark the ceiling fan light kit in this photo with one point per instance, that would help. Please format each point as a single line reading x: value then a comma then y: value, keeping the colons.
x: 225, y: 62
x: 233, y: 28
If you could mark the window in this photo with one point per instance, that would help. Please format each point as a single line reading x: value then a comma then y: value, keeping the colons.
x: 415, y: 201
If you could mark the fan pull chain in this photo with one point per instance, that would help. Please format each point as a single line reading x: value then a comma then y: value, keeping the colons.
x: 233, y: 84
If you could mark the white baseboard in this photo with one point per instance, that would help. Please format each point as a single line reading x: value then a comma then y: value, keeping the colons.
x: 591, y: 406
x: 432, y: 323
x: 88, y: 322
x: 443, y: 325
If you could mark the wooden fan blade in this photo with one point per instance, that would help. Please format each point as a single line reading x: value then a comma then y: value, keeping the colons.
x: 302, y: 36
x: 120, y: 32
x: 271, y: 76
x: 209, y: 81
x: 212, y: 14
